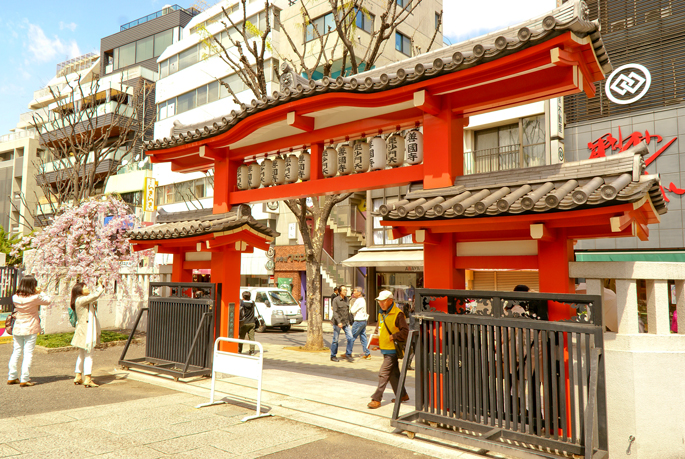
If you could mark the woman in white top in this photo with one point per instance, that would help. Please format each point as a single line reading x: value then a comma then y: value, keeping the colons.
x: 27, y: 302
x: 87, y: 334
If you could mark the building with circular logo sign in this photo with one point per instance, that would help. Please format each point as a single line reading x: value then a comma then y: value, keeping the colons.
x: 628, y: 83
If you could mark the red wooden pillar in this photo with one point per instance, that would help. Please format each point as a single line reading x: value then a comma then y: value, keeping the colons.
x: 226, y: 271
x: 225, y: 172
x: 443, y: 137
x: 178, y: 274
x: 438, y: 266
x: 553, y: 258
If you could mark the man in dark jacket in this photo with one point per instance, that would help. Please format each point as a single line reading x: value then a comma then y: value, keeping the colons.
x: 341, y: 321
x: 246, y: 321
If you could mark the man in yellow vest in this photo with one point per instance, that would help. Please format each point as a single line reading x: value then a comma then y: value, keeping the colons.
x: 392, y: 325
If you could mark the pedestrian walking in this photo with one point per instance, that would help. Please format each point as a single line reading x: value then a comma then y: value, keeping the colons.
x: 392, y: 326
x: 358, y: 310
x: 87, y: 333
x: 246, y: 330
x: 27, y: 302
x: 341, y: 321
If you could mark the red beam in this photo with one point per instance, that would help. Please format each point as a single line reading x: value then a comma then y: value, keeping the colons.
x: 427, y: 102
x: 303, y: 123
x: 203, y: 264
x: 497, y: 262
x: 349, y: 183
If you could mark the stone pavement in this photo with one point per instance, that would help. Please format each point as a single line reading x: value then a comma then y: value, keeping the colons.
x: 309, y: 388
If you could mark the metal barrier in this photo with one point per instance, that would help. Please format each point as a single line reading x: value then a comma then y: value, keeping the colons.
x: 182, y: 323
x: 504, y: 382
x: 9, y: 280
x: 236, y: 364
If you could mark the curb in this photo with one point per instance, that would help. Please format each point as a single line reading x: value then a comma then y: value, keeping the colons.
x: 54, y: 350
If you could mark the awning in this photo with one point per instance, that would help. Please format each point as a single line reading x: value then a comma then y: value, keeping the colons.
x: 658, y: 256
x: 385, y: 258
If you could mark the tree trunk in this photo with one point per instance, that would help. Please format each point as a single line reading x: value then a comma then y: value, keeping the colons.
x: 314, y: 315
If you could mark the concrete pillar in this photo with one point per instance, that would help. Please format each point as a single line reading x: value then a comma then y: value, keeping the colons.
x: 626, y: 306
x: 596, y: 287
x: 657, y: 307
x: 680, y: 304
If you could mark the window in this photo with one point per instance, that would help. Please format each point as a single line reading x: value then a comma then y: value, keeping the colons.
x: 173, y: 64
x: 382, y: 235
x: 185, y: 102
x: 164, y: 69
x: 206, y: 93
x: 187, y: 58
x: 365, y: 21
x: 213, y: 92
x: 512, y: 146
x: 403, y: 3
x: 127, y: 55
x: 139, y: 51
x: 533, y: 136
x: 163, y: 41
x: 190, y: 190
x: 324, y: 24
x: 403, y: 43
x: 145, y: 49
x: 135, y: 198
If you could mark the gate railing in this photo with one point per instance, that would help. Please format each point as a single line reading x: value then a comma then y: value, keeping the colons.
x: 181, y: 328
x: 503, y: 381
x: 9, y: 280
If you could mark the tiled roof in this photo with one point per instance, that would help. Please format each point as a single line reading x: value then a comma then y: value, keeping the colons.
x: 571, y: 16
x: 582, y: 184
x: 180, y: 225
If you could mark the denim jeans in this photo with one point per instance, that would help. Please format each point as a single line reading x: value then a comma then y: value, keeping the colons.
x: 348, y: 336
x: 359, y: 331
x: 23, y: 344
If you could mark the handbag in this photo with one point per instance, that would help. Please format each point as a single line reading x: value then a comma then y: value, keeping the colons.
x: 73, y: 320
x: 9, y: 322
x: 399, y: 345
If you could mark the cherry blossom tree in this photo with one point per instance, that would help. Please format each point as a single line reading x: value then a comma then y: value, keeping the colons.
x: 84, y: 243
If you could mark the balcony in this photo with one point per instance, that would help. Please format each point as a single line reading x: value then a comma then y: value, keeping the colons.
x: 492, y: 159
x: 31, y: 134
x: 103, y: 116
x: 60, y: 171
x: 158, y: 14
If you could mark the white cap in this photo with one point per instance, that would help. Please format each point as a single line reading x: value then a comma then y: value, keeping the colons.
x: 384, y: 295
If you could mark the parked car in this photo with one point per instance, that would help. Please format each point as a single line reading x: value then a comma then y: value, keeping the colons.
x: 275, y: 306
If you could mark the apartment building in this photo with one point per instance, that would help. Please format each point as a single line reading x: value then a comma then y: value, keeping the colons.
x: 19, y: 194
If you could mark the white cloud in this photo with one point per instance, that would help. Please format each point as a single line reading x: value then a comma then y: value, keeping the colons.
x: 464, y: 19
x: 45, y: 49
x: 71, y: 26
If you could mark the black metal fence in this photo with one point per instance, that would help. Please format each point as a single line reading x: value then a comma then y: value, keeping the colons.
x: 182, y: 320
x: 495, y: 375
x: 9, y: 280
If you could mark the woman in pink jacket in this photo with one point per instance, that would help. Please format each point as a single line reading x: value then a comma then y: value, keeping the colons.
x: 27, y: 302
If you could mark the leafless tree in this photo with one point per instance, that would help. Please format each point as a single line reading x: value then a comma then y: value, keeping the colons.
x: 89, y: 134
x: 246, y: 58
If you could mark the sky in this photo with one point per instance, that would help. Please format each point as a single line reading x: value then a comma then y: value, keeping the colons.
x: 36, y: 35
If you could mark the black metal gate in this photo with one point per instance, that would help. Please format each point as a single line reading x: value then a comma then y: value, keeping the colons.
x: 9, y: 280
x: 488, y: 374
x: 181, y: 327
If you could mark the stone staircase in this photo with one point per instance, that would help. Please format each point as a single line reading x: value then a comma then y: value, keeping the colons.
x: 342, y: 220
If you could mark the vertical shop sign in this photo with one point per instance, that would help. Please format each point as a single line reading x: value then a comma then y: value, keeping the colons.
x: 149, y: 203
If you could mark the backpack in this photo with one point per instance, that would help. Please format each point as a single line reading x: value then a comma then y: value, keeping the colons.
x: 73, y: 320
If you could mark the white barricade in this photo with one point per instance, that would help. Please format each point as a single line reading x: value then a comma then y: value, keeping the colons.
x: 243, y: 365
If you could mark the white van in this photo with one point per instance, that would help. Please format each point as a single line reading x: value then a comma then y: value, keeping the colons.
x: 276, y: 306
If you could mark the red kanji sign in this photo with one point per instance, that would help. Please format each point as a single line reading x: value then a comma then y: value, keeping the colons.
x: 607, y: 143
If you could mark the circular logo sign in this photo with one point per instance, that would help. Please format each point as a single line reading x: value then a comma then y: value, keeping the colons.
x: 628, y: 84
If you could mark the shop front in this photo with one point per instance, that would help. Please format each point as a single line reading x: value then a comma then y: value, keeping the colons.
x: 290, y: 272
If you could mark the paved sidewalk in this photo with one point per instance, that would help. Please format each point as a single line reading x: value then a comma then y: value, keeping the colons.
x: 309, y: 388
